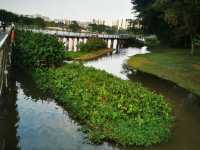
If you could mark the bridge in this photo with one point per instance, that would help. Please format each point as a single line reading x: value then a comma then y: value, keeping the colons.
x: 71, y: 39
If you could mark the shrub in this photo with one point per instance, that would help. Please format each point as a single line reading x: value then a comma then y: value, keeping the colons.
x: 37, y: 49
x: 196, y: 41
x: 151, y: 41
x: 92, y: 45
x: 111, y: 108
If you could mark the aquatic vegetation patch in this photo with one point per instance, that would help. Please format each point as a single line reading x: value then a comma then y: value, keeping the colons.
x: 111, y: 109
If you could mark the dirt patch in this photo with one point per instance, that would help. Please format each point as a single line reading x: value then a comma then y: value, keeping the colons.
x: 196, y: 66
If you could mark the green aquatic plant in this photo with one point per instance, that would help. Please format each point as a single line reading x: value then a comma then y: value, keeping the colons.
x: 111, y: 109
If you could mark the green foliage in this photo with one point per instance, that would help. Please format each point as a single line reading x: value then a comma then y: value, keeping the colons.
x: 101, y: 28
x: 111, y: 108
x: 92, y: 45
x: 196, y: 41
x: 71, y: 54
x: 74, y: 27
x: 23, y: 21
x: 151, y: 41
x: 37, y: 49
x: 174, y: 22
x: 9, y: 17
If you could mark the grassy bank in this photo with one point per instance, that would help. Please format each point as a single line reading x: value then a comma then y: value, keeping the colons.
x: 176, y: 65
x: 86, y: 55
x: 110, y: 108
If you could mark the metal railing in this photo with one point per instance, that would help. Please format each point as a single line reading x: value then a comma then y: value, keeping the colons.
x: 5, y: 59
x: 84, y: 35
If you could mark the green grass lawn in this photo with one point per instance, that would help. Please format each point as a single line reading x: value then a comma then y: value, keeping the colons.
x: 176, y: 65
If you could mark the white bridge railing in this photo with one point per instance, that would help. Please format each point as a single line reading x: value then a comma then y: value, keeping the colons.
x: 5, y: 59
x: 85, y: 35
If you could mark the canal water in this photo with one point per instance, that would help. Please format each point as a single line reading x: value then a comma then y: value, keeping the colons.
x: 32, y: 121
x: 186, y: 106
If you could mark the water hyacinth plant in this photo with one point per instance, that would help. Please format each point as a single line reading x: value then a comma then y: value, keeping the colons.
x: 111, y: 108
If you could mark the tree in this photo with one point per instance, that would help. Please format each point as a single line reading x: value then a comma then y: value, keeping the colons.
x: 101, y: 28
x: 39, y: 21
x: 177, y: 21
x: 74, y: 26
x: 183, y: 16
x: 8, y: 16
x: 150, y: 19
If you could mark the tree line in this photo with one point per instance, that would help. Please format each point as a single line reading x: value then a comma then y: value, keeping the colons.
x: 175, y: 22
x: 73, y: 26
x: 9, y: 17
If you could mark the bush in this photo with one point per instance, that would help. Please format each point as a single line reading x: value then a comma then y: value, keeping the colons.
x: 37, y: 49
x: 151, y: 41
x: 111, y: 108
x: 196, y: 41
x: 92, y: 45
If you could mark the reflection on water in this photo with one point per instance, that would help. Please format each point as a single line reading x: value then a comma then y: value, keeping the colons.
x: 186, y: 109
x: 114, y: 63
x: 35, y: 122
x: 44, y: 125
x: 185, y: 105
x: 8, y: 119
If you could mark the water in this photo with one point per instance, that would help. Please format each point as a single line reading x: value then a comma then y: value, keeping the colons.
x: 43, y: 124
x: 186, y: 109
x: 114, y: 63
x: 32, y: 121
x: 185, y: 105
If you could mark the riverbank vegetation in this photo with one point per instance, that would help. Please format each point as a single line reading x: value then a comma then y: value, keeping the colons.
x: 37, y: 50
x: 92, y: 45
x: 176, y: 65
x: 110, y: 108
x: 85, y: 55
x: 92, y: 49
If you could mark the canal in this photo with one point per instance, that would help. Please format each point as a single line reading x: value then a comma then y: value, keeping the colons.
x: 32, y: 121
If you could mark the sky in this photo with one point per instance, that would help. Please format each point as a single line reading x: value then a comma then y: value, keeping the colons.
x: 84, y: 10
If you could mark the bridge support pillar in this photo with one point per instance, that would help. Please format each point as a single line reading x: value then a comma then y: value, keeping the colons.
x: 71, y: 43
x: 115, y: 44
x: 109, y: 43
x: 75, y: 44
x: 80, y: 41
x: 65, y: 42
x: 85, y: 40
